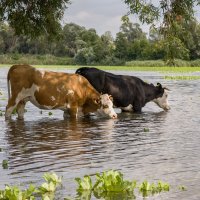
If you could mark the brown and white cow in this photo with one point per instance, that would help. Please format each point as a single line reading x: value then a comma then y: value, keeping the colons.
x: 54, y: 90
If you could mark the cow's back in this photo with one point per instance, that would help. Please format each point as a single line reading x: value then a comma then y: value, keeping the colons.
x: 123, y: 88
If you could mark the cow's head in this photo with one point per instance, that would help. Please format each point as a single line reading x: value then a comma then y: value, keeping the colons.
x: 162, y: 97
x: 106, y: 106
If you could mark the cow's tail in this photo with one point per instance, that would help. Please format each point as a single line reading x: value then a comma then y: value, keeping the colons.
x: 8, y: 84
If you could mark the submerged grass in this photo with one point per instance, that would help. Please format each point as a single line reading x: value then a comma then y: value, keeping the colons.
x: 182, y: 77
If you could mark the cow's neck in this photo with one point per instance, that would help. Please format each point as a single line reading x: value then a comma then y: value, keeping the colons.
x: 150, y: 92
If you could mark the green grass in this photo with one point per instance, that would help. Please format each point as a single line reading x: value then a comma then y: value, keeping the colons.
x: 165, y: 69
x: 182, y: 77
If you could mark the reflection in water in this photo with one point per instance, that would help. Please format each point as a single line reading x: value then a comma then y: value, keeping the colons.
x: 49, y: 141
x: 74, y: 148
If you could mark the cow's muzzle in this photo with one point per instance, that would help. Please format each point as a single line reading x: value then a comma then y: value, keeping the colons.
x: 114, y: 116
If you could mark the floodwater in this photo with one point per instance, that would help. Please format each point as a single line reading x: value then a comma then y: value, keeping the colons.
x: 170, y: 151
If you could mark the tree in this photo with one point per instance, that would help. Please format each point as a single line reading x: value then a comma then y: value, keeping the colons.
x: 33, y: 17
x: 172, y: 13
x: 128, y: 40
x: 190, y: 36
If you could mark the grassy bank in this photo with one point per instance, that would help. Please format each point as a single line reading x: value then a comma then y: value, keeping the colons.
x: 52, y: 62
x: 11, y: 59
x: 165, y: 69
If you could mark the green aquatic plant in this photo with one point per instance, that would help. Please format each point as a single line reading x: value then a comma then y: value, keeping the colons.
x: 161, y: 186
x: 108, y: 185
x: 5, y: 164
x: 146, y: 129
x: 50, y: 113
x: 147, y: 188
x: 45, y: 192
x: 52, y: 181
x: 52, y: 177
x: 14, y: 193
x: 14, y: 112
x: 85, y: 183
x: 182, y: 188
x: 113, y: 181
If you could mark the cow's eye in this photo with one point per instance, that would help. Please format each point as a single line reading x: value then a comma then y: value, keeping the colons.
x: 105, y: 106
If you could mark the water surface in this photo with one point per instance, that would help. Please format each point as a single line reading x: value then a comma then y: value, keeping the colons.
x: 170, y: 151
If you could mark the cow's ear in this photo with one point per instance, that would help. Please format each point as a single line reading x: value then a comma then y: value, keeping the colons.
x: 159, y: 85
x: 111, y: 98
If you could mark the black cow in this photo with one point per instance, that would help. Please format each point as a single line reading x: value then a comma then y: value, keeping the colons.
x: 129, y: 93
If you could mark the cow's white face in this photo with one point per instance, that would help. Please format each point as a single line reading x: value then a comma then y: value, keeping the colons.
x: 106, y: 108
x: 162, y: 102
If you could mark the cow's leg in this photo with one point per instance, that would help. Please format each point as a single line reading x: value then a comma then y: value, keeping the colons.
x: 73, y: 112
x: 12, y: 104
x: 21, y: 109
x: 137, y: 107
x: 66, y: 114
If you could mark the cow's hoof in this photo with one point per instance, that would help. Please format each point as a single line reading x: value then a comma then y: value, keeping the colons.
x: 20, y: 118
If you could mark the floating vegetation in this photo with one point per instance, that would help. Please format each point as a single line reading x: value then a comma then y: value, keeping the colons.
x: 5, y: 164
x: 182, y: 77
x: 14, y: 112
x: 146, y: 129
x: 108, y: 185
x: 111, y: 183
x: 147, y: 188
x: 182, y: 188
x: 15, y: 193
x: 46, y: 191
x: 50, y: 113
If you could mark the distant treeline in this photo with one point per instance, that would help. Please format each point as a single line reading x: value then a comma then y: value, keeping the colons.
x: 77, y: 45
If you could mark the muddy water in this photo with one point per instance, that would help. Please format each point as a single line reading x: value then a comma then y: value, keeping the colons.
x: 170, y: 151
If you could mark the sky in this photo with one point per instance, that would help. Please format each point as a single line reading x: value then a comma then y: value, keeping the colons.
x: 102, y: 15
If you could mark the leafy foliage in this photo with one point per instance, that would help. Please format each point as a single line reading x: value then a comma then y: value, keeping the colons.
x: 113, y: 181
x: 14, y: 193
x: 146, y: 188
x: 77, y: 45
x: 33, y: 17
x: 109, y: 185
x: 85, y: 183
x: 46, y: 190
x: 173, y: 14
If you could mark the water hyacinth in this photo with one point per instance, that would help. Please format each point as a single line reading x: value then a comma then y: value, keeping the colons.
x: 110, y: 184
x: 147, y: 188
x: 84, y: 184
x: 113, y: 181
x: 14, y: 193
